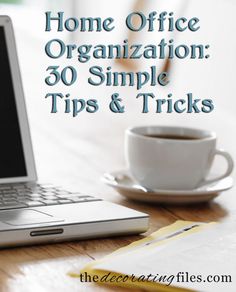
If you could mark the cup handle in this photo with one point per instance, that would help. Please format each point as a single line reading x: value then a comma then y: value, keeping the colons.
x: 230, y: 167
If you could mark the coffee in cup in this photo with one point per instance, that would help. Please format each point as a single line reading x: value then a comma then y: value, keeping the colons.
x: 162, y: 157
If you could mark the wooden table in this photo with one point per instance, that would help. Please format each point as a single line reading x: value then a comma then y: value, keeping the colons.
x: 79, y: 155
x: 77, y: 152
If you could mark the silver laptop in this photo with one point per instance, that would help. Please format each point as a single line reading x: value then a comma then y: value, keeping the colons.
x: 32, y: 213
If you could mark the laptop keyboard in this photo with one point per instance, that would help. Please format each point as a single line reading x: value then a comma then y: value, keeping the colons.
x: 23, y: 196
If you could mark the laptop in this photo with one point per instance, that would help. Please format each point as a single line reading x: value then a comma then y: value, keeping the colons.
x: 31, y: 213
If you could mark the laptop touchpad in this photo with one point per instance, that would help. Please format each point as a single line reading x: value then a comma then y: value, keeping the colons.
x: 26, y: 217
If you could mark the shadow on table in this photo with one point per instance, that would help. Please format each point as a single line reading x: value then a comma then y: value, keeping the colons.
x: 205, y: 212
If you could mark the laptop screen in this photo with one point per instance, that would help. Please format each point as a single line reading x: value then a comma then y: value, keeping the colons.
x: 12, y: 160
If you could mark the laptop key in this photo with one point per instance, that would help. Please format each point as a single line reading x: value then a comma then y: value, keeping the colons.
x: 3, y: 188
x: 9, y: 200
x: 9, y: 191
x: 53, y: 198
x: 48, y: 189
x: 81, y: 200
x: 68, y: 196
x: 48, y: 194
x: 23, y: 196
x: 64, y: 201
x: 25, y: 201
x: 92, y: 199
x: 9, y: 194
x: 49, y: 202
x: 12, y: 206
x: 34, y: 195
x: 63, y: 193
x: 8, y: 197
x: 23, y: 193
x: 74, y: 196
x: 82, y: 196
x: 34, y: 204
x: 36, y: 198
x: 77, y: 200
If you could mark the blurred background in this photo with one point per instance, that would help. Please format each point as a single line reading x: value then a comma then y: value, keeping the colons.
x: 53, y: 134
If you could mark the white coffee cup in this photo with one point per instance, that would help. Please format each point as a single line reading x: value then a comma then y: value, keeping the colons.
x: 160, y: 157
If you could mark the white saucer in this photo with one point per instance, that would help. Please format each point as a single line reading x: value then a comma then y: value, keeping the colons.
x: 126, y: 186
